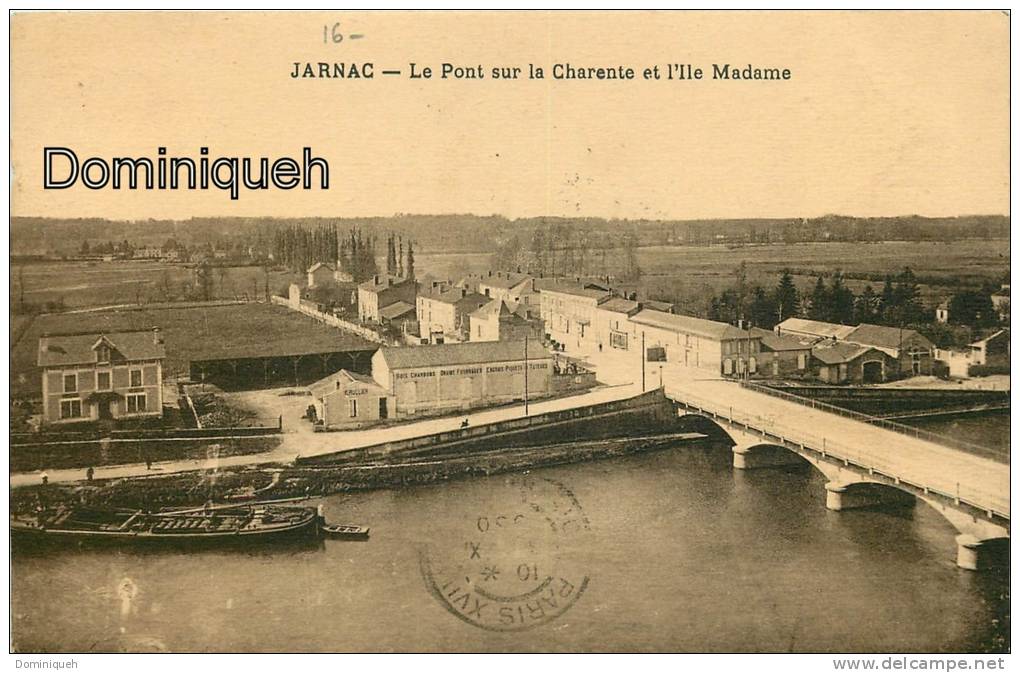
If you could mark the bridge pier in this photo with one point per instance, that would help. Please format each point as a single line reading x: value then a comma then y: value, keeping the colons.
x: 974, y: 553
x: 844, y: 495
x: 754, y: 456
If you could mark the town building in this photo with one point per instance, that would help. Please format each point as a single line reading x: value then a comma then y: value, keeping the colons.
x: 992, y: 351
x: 1000, y: 300
x: 698, y: 343
x: 568, y: 310
x: 380, y: 291
x: 346, y: 400
x: 319, y: 274
x: 91, y: 377
x: 783, y: 356
x: 448, y: 377
x: 496, y: 321
x: 913, y: 351
x: 614, y: 330
x: 443, y: 313
x: 505, y: 285
x: 843, y: 362
x: 942, y: 312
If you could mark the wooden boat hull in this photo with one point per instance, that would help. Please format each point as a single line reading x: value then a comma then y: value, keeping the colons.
x: 302, y: 523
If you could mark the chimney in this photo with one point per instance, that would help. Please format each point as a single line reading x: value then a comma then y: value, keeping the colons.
x: 157, y: 338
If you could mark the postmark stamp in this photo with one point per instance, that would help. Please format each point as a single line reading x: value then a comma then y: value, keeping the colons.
x: 516, y: 565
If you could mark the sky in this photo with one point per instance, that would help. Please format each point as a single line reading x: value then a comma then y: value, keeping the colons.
x: 886, y: 113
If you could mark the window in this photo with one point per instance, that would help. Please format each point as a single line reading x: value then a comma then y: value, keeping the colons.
x: 103, y: 381
x: 103, y: 354
x: 70, y: 383
x: 801, y: 361
x: 70, y: 408
x: 136, y: 378
x: 618, y: 340
x: 354, y: 408
x: 135, y: 403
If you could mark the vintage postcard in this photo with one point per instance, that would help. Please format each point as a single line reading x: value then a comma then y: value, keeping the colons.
x: 510, y: 332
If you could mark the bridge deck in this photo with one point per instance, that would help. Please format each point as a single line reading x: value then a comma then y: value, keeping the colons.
x: 975, y: 480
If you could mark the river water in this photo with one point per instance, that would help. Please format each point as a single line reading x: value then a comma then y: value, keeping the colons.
x: 667, y: 551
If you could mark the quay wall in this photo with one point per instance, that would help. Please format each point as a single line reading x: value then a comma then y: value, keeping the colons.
x: 646, y: 414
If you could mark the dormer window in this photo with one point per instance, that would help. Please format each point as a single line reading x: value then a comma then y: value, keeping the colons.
x: 103, y: 353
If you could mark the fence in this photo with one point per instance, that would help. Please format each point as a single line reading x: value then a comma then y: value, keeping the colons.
x: 259, y: 427
x: 331, y: 320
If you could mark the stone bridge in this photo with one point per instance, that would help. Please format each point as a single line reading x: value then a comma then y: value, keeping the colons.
x: 865, y: 465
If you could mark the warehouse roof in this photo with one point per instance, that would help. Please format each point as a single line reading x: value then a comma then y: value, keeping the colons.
x: 881, y: 336
x: 710, y: 329
x: 472, y: 352
x: 817, y: 328
x: 775, y: 342
x: 838, y: 352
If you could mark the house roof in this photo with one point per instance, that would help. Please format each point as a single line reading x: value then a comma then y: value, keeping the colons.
x: 818, y: 328
x: 881, y: 336
x: 382, y: 282
x: 573, y: 288
x: 838, y: 352
x: 328, y: 385
x: 620, y: 305
x: 395, y: 310
x: 496, y: 306
x: 504, y: 279
x: 990, y: 337
x: 710, y: 329
x: 654, y: 305
x: 70, y: 349
x: 775, y: 342
x: 319, y: 265
x: 471, y: 352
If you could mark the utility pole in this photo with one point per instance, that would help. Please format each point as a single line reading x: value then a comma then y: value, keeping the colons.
x: 644, y: 356
x: 525, y: 374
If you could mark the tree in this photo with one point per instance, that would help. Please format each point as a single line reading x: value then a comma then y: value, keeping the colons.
x: 841, y: 301
x: 887, y: 308
x: 973, y: 308
x: 410, y: 260
x: 908, y: 298
x: 867, y: 306
x: 763, y: 311
x: 204, y: 280
x: 391, y: 256
x: 819, y: 309
x: 786, y: 297
x: 84, y: 247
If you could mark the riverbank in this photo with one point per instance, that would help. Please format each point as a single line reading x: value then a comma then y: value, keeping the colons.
x: 646, y: 422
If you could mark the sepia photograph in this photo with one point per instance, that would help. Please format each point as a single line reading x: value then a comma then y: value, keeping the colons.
x: 499, y: 332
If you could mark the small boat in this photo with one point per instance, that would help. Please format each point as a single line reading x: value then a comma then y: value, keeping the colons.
x: 345, y: 531
x: 215, y: 524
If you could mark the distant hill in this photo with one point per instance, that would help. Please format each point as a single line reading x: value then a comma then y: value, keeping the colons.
x: 474, y: 233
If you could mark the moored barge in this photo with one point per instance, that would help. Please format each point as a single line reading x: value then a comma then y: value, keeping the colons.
x: 257, y: 523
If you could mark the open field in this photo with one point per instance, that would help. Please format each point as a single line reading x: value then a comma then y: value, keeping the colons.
x: 197, y: 332
x: 79, y: 284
